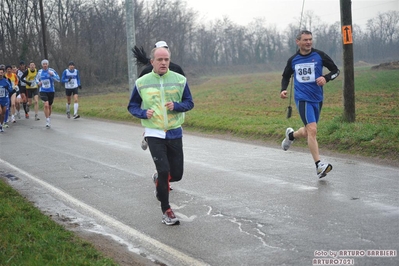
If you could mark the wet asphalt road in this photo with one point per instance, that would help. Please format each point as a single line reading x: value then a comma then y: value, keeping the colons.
x: 238, y: 203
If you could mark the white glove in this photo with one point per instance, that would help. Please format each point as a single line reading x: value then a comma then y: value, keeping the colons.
x: 16, y: 88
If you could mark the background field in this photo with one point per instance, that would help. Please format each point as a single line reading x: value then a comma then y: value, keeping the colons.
x: 248, y: 106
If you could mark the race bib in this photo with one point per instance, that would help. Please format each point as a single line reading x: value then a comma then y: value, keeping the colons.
x: 46, y: 84
x: 71, y: 84
x: 305, y: 72
x: 2, y: 92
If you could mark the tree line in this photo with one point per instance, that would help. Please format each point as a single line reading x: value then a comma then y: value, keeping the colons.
x: 92, y: 33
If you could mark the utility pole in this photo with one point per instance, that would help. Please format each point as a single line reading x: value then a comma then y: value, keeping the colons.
x: 131, y: 41
x: 43, y: 22
x: 349, y: 77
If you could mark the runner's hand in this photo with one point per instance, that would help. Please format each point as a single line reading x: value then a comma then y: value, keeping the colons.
x: 283, y: 94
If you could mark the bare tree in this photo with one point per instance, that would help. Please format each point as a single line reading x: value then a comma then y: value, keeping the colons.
x: 206, y: 44
x: 383, y: 31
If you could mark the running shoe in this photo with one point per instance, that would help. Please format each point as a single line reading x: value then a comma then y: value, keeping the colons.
x: 322, y: 169
x: 37, y: 117
x: 5, y: 125
x: 13, y: 120
x: 69, y: 115
x: 48, y: 125
x: 287, y: 142
x: 27, y: 109
x: 76, y: 116
x: 144, y: 144
x: 169, y: 218
x: 1, y: 129
x: 27, y: 116
x: 18, y: 115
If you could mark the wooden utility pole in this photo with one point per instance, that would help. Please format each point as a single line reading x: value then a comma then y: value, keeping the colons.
x: 131, y: 41
x: 349, y: 77
x: 43, y: 22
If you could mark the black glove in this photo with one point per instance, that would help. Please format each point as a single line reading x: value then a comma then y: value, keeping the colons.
x: 69, y: 79
x: 80, y: 87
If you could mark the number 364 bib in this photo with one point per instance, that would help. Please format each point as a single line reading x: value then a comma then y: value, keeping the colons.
x: 305, y: 72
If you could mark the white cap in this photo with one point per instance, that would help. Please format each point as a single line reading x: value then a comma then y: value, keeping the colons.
x: 161, y: 44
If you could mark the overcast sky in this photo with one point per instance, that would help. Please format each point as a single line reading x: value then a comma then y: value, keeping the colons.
x: 283, y: 12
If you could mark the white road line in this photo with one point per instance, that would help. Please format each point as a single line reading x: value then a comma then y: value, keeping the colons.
x: 180, y: 257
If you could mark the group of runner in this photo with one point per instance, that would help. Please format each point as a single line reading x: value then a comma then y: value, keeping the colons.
x: 22, y: 86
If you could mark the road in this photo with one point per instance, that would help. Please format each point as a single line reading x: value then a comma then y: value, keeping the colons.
x: 238, y: 203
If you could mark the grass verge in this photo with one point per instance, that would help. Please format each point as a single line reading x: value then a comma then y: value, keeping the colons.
x: 30, y: 238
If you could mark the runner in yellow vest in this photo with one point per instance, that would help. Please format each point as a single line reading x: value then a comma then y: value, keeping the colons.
x: 31, y: 89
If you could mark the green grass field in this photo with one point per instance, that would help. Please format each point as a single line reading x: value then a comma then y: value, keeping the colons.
x: 249, y: 107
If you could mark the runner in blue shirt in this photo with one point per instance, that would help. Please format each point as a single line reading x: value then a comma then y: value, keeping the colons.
x: 5, y: 91
x: 71, y: 79
x: 45, y: 79
x: 307, y: 67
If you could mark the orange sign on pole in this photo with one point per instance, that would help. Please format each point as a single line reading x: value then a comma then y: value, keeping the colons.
x: 347, y: 34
